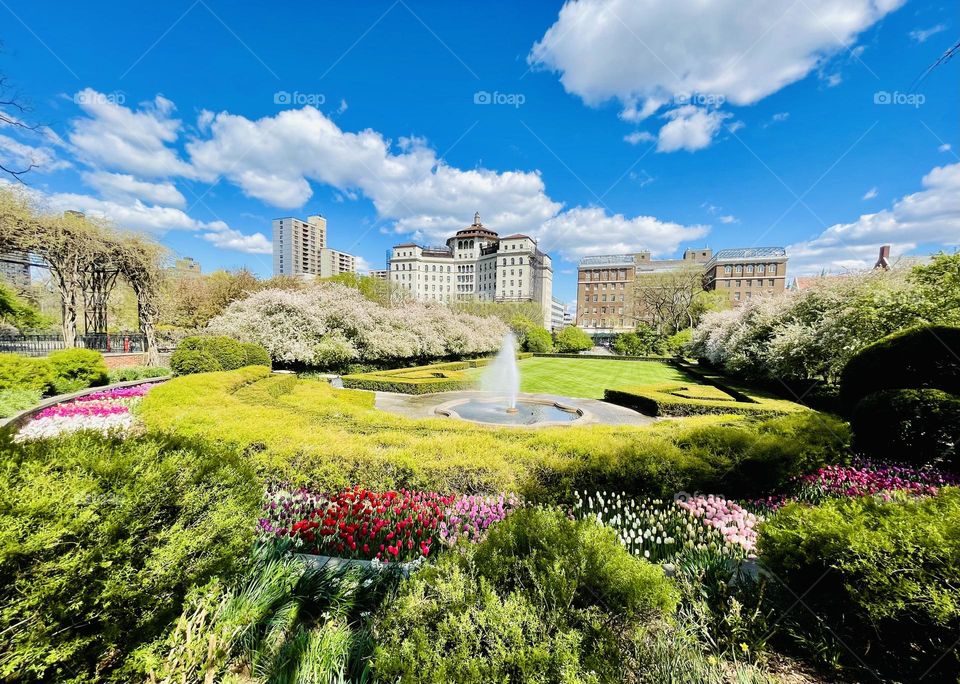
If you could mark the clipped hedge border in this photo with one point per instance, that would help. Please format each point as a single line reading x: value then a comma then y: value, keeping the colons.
x: 446, y: 377
x: 659, y: 400
x: 601, y: 357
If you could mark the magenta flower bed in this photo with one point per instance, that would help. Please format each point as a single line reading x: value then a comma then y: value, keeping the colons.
x: 866, y: 478
x: 134, y: 392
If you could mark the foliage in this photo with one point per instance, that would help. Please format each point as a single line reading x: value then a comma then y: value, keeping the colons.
x: 919, y: 427
x: 573, y: 339
x: 667, y: 298
x: 99, y: 542
x: 191, y: 302
x: 644, y: 341
x: 679, y: 343
x: 938, y: 284
x: 12, y: 401
x: 75, y: 369
x: 185, y: 361
x: 887, y: 576
x: 507, y: 312
x: 18, y: 313
x: 923, y: 357
x: 812, y: 334
x: 676, y: 399
x: 138, y: 373
x: 308, y: 433
x: 283, y: 621
x: 538, y: 340
x: 25, y: 373
x: 328, y: 325
x: 542, y: 599
x: 255, y: 355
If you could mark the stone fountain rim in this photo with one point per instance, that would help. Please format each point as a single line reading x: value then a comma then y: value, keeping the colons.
x: 446, y: 409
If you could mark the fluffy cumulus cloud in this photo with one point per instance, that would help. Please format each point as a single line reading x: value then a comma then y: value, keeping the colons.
x: 574, y: 233
x: 124, y: 187
x: 227, y: 238
x: 929, y: 216
x: 689, y: 128
x: 744, y: 50
x: 19, y: 156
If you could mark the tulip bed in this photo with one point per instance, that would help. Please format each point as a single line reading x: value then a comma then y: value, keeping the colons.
x: 107, y: 412
x: 386, y: 526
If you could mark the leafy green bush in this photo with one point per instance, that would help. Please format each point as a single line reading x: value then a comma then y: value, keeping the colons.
x: 101, y: 539
x: 883, y: 576
x: 675, y: 399
x: 538, y: 340
x: 226, y: 351
x: 542, y: 599
x: 644, y: 341
x: 76, y: 369
x: 572, y: 339
x: 185, y: 361
x: 255, y: 355
x: 13, y: 401
x: 920, y: 427
x: 138, y: 373
x: 678, y: 343
x: 25, y: 373
x: 923, y: 357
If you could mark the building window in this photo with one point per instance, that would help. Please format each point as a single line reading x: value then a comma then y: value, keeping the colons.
x: 772, y: 269
x: 736, y: 295
x: 728, y: 270
x: 760, y: 269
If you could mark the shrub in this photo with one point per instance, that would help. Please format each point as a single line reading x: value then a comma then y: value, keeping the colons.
x: 924, y: 357
x: 644, y: 341
x: 185, y: 361
x: 441, y: 377
x: 100, y: 542
x: 886, y: 577
x: 227, y: 352
x: 572, y: 339
x: 538, y: 340
x: 255, y: 355
x: 679, y: 343
x: 676, y: 399
x: 919, y: 427
x: 25, y: 373
x: 543, y: 598
x: 76, y: 369
x: 138, y: 373
x: 13, y: 401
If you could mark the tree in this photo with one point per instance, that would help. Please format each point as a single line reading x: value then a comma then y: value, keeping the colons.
x: 643, y: 342
x: 665, y: 298
x: 141, y: 262
x: 538, y: 340
x: 10, y: 103
x: 18, y: 313
x: 572, y: 340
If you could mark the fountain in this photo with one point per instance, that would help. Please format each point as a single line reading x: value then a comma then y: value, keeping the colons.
x: 499, y: 403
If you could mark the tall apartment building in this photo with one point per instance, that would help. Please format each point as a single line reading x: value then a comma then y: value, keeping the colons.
x: 606, y: 304
x: 476, y: 263
x: 300, y: 249
x: 745, y: 273
x: 558, y: 312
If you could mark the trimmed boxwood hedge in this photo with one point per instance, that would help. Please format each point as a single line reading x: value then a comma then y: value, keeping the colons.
x: 441, y: 377
x: 923, y: 357
x: 668, y: 399
x: 205, y: 354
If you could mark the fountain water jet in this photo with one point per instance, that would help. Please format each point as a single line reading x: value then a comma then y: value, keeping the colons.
x: 502, y: 376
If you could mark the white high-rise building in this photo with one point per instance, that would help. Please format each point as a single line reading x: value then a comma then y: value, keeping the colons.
x: 300, y: 249
x: 476, y: 263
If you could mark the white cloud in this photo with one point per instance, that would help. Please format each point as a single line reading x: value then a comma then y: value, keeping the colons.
x: 870, y: 194
x: 930, y: 216
x: 18, y: 156
x: 735, y: 126
x: 584, y: 231
x: 781, y: 116
x: 729, y: 219
x: 689, y: 128
x: 921, y: 35
x: 124, y: 187
x: 945, y: 147
x: 639, y: 136
x: 363, y: 266
x: 652, y: 50
x: 117, y: 137
x: 342, y: 106
x: 228, y: 238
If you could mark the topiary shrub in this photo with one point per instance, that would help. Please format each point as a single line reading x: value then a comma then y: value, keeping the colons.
x: 138, y: 373
x: 924, y: 357
x: 572, y: 339
x: 227, y: 351
x: 255, y: 355
x: 25, y: 373
x: 75, y: 369
x: 879, y: 579
x: 187, y: 361
x: 542, y: 599
x: 919, y: 427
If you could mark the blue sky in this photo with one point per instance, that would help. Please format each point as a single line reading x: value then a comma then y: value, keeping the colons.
x: 597, y: 126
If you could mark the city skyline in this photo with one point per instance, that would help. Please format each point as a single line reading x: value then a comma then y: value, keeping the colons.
x: 201, y: 126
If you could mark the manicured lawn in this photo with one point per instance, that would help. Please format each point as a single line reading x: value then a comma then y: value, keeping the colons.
x: 589, y: 377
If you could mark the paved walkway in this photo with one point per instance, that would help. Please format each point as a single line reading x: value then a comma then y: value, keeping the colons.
x: 422, y: 406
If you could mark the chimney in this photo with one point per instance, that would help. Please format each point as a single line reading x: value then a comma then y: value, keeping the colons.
x: 883, y: 261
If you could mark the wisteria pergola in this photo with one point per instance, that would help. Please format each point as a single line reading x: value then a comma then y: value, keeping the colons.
x: 85, y: 258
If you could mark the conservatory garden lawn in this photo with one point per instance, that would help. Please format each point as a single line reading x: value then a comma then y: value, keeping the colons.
x: 588, y: 378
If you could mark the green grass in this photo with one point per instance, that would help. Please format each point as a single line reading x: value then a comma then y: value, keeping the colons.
x: 588, y: 378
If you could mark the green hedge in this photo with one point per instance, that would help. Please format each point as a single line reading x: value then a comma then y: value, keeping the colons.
x: 923, y: 357
x: 920, y: 427
x: 208, y: 354
x: 77, y: 369
x: 138, y: 373
x: 25, y: 373
x: 881, y: 579
x: 677, y: 399
x: 441, y: 377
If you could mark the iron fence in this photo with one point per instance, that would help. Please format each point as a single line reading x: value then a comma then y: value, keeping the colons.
x: 41, y: 345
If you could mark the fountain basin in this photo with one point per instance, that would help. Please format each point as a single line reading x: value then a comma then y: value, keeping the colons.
x: 494, y: 411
